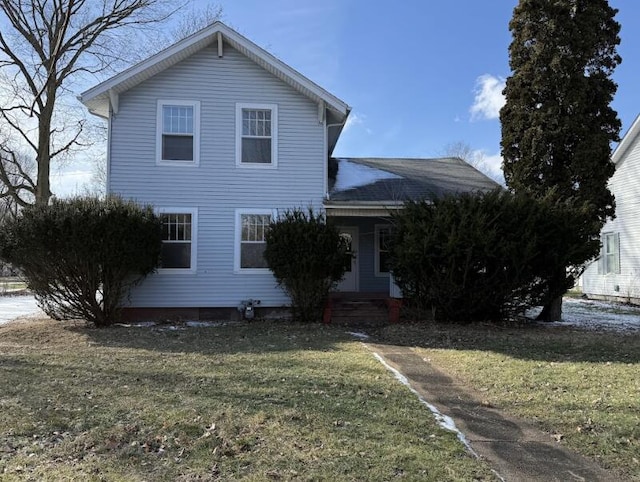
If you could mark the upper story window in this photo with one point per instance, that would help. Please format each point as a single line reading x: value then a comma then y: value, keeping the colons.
x: 178, y: 132
x: 256, y: 135
x: 178, y: 240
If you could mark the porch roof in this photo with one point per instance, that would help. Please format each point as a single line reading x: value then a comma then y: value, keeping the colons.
x: 388, y: 182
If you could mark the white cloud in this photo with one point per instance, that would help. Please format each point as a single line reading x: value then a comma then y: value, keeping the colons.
x: 493, y: 167
x: 355, y: 119
x: 488, y: 97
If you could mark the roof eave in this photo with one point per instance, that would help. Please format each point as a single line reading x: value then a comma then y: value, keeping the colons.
x: 328, y: 204
x: 97, y: 98
x: 627, y: 140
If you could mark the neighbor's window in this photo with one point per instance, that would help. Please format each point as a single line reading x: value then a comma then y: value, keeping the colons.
x: 178, y: 131
x: 253, y: 229
x: 256, y: 135
x: 611, y: 252
x: 176, y: 240
x: 383, y: 234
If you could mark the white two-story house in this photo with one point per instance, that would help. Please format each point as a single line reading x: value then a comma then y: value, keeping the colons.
x: 615, y: 274
x: 220, y: 136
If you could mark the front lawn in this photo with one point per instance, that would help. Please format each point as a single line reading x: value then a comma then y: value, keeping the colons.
x: 582, y: 387
x: 261, y: 401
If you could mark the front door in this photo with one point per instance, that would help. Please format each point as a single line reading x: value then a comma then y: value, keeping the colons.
x: 350, y: 281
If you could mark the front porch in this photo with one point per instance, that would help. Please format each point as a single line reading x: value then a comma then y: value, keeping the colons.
x: 361, y: 309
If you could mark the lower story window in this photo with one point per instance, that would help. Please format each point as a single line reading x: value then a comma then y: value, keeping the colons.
x: 176, y: 240
x: 611, y: 252
x: 253, y: 229
x: 383, y: 234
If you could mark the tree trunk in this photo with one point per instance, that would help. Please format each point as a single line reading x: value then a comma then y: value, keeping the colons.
x: 552, y: 311
x: 43, y: 156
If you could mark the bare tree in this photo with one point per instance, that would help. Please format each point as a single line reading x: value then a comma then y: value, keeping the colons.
x: 474, y: 157
x: 194, y: 19
x: 46, y: 46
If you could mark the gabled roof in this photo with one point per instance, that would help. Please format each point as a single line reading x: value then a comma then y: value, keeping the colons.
x: 97, y: 98
x: 402, y: 180
x: 626, y: 142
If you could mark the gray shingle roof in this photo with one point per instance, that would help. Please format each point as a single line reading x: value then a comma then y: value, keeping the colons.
x: 417, y: 179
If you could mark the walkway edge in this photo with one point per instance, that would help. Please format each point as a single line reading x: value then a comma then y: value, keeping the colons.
x: 515, y: 449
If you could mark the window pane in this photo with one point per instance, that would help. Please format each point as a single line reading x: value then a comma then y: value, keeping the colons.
x: 176, y: 227
x: 176, y: 255
x: 177, y: 148
x: 251, y: 255
x: 384, y: 262
x: 256, y: 122
x: 348, y: 256
x: 254, y: 226
x: 177, y: 119
x: 256, y: 151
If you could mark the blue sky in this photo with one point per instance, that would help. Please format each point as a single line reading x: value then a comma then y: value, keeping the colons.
x: 413, y: 70
x: 418, y: 75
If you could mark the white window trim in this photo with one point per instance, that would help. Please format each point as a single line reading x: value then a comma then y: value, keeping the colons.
x: 196, y: 133
x: 274, y: 136
x: 376, y: 250
x: 238, y: 239
x: 194, y: 238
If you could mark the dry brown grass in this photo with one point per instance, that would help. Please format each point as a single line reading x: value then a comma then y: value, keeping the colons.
x: 262, y: 401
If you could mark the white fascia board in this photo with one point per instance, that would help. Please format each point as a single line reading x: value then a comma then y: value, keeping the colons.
x: 171, y: 55
x: 626, y: 141
x: 366, y: 205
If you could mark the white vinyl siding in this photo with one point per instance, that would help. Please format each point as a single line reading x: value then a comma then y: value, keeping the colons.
x: 178, y: 132
x: 179, y: 235
x: 217, y: 188
x: 599, y: 280
x: 256, y: 135
x: 251, y: 229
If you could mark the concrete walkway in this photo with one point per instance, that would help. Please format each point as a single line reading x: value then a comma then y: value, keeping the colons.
x: 516, y: 450
x: 16, y: 306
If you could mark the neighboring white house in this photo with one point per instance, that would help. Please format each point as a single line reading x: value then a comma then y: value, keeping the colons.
x: 220, y: 136
x: 616, y: 273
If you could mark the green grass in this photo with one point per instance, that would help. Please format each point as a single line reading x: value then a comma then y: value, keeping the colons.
x: 263, y: 401
x: 582, y: 387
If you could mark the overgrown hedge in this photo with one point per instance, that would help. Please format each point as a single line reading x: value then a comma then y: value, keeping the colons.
x: 81, y: 256
x: 307, y: 257
x: 485, y: 256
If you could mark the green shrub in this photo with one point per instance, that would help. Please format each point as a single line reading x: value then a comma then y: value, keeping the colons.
x: 81, y: 256
x: 307, y: 257
x: 484, y: 256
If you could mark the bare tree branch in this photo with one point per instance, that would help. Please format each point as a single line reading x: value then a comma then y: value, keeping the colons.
x: 46, y: 45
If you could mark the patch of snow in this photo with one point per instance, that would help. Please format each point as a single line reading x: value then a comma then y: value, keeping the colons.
x: 139, y: 324
x: 18, y: 306
x: 351, y: 175
x: 204, y: 324
x: 596, y: 315
x: 444, y: 421
x: 359, y: 335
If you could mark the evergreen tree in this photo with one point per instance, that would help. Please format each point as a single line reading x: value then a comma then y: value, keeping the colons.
x: 557, y: 123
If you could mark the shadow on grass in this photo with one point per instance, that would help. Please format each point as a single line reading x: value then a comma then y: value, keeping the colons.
x: 527, y: 341
x: 234, y: 337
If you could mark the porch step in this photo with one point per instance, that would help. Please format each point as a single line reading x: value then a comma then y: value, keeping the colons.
x: 361, y: 312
